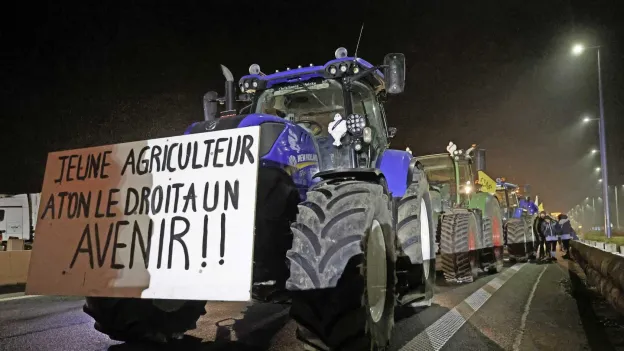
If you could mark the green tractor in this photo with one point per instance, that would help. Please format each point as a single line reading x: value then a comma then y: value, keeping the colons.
x: 469, y: 221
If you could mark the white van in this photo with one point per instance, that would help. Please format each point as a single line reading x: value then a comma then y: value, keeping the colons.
x: 18, y: 216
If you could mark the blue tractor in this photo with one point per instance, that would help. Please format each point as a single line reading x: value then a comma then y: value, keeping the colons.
x: 519, y: 219
x: 344, y: 226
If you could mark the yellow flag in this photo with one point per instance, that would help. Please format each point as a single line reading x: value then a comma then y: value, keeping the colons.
x: 541, y: 207
x: 488, y: 185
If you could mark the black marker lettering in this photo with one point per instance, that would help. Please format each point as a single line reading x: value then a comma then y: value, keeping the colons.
x: 84, y: 204
x: 62, y: 195
x: 208, y: 148
x: 218, y: 150
x: 205, y: 241
x: 60, y: 178
x: 161, y: 242
x: 130, y: 161
x: 165, y: 158
x: 157, y: 199
x: 216, y: 196
x: 230, y: 194
x: 190, y: 198
x: 167, y: 198
x: 103, y: 174
x: 93, y: 166
x: 49, y: 206
x: 246, y: 149
x: 195, y: 152
x: 145, y: 251
x: 131, y: 194
x: 141, y: 161
x: 111, y: 203
x: 117, y: 245
x: 169, y: 168
x: 145, y: 193
x: 232, y: 159
x: 101, y: 254
x: 156, y: 152
x: 70, y: 167
x: 184, y: 164
x: 222, y: 247
x: 177, y: 187
x: 97, y: 205
x: 178, y: 238
x: 80, y: 249
x: 84, y: 176
x: 72, y: 205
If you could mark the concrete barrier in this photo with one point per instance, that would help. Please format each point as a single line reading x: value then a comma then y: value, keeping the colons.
x: 14, y: 267
x: 611, y: 247
x: 604, y: 270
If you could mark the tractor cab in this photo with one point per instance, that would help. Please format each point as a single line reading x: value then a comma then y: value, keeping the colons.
x: 453, y: 174
x: 339, y: 104
x: 507, y: 194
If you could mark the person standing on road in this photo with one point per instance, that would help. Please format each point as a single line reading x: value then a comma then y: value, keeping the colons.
x: 550, y: 236
x: 540, y: 238
x: 566, y: 233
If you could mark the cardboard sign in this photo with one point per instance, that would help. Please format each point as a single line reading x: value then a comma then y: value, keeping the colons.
x: 488, y: 185
x: 169, y: 218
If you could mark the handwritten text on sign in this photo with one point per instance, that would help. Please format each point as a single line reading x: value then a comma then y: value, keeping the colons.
x: 165, y: 218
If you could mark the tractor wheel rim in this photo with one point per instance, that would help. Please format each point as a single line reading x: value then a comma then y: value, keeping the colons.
x: 376, y: 272
x: 424, y: 237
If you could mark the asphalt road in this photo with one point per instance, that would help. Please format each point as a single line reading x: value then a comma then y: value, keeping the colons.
x: 526, y: 307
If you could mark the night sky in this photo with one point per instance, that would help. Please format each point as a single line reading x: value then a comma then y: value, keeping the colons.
x: 495, y: 73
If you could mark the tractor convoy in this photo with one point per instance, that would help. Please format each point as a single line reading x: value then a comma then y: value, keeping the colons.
x: 346, y: 229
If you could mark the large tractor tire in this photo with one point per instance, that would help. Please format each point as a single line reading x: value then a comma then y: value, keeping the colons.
x: 530, y: 238
x: 128, y: 319
x: 344, y: 240
x: 516, y: 240
x: 459, y: 231
x: 415, y: 224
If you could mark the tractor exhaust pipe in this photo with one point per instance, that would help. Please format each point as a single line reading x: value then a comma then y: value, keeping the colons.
x: 229, y: 92
x: 479, y: 159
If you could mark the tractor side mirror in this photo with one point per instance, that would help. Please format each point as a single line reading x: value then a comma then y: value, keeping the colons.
x: 391, y: 132
x: 394, y: 73
x: 210, y: 105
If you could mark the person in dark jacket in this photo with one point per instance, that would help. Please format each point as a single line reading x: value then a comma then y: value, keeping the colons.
x: 566, y: 233
x: 540, y: 238
x: 550, y: 236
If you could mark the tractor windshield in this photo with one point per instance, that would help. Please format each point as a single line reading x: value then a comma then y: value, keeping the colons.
x: 441, y: 173
x: 313, y: 105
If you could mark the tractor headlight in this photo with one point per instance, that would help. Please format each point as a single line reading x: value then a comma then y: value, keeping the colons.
x: 254, y: 84
x: 356, y: 124
x: 343, y: 68
x: 246, y: 85
x: 332, y: 70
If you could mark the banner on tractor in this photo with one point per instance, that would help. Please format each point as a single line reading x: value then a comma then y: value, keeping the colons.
x: 169, y: 218
x: 488, y: 185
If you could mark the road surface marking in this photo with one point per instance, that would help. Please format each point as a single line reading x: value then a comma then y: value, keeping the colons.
x: 440, y: 332
x: 527, y: 307
x: 17, y: 297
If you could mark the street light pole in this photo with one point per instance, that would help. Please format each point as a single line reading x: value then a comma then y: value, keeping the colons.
x: 603, y: 154
x: 617, y: 209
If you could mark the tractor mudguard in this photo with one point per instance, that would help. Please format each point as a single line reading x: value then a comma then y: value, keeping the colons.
x: 396, y: 166
x: 489, y: 207
x: 283, y: 145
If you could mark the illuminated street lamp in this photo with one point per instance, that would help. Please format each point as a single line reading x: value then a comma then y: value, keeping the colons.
x: 594, y: 151
x: 597, y: 169
x: 577, y: 50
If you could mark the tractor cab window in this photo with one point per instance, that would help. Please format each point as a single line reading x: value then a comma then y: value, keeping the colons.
x: 311, y: 104
x: 501, y: 195
x: 440, y: 173
x: 365, y: 104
